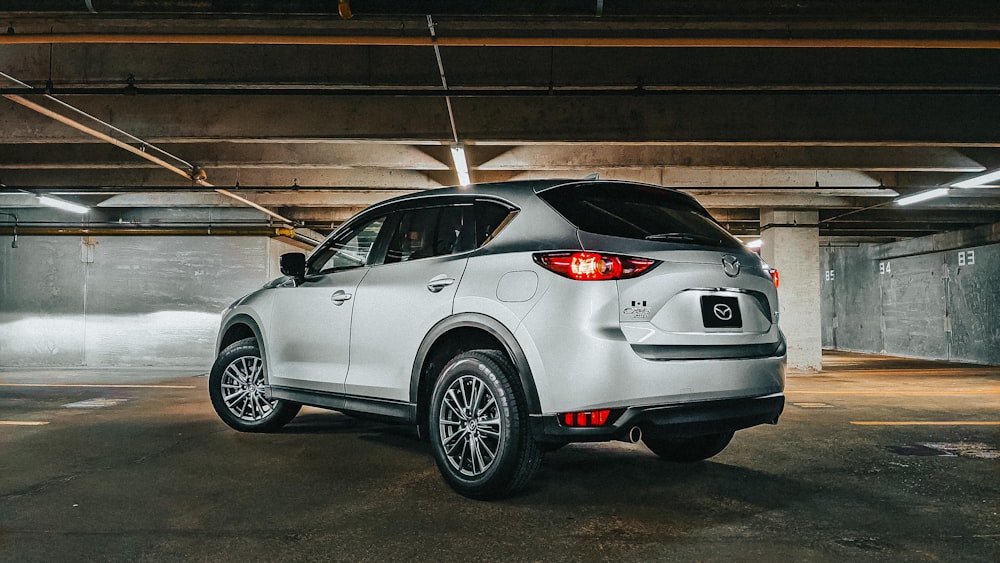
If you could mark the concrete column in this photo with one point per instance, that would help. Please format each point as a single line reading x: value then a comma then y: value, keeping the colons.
x: 791, y: 245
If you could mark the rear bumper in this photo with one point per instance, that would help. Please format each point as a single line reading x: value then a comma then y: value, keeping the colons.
x: 666, y: 421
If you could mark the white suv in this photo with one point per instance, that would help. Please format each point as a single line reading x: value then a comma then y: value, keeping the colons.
x: 507, y: 319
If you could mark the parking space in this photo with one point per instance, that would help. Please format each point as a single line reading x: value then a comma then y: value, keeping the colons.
x: 874, y: 459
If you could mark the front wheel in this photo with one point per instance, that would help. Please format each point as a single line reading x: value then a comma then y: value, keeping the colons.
x: 237, y: 389
x: 478, y: 427
x: 689, y: 450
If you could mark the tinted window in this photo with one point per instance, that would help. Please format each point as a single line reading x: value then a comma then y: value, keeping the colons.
x: 431, y: 231
x: 637, y: 212
x: 349, y: 250
x: 490, y: 216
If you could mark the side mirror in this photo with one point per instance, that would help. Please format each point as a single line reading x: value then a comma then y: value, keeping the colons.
x: 293, y: 264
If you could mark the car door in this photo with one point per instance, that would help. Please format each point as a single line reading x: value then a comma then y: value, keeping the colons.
x: 399, y: 301
x: 309, y: 343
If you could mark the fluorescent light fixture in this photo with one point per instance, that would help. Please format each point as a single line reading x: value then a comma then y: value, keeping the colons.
x: 755, y: 244
x: 922, y: 196
x: 978, y: 181
x: 461, y: 165
x: 62, y: 204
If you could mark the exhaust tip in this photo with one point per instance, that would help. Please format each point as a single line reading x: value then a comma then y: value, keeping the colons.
x: 635, y: 434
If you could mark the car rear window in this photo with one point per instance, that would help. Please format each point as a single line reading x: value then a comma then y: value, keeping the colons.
x: 637, y: 212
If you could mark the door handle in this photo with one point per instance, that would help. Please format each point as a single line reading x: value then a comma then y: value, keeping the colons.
x: 438, y: 283
x: 339, y: 297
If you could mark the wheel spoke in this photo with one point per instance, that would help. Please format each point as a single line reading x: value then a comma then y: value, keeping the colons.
x: 451, y: 401
x: 477, y: 455
x: 490, y: 403
x: 234, y: 373
x: 492, y: 453
x: 477, y: 395
x: 229, y: 398
x: 456, y: 438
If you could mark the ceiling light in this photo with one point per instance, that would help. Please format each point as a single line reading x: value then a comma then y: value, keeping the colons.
x: 62, y: 204
x: 755, y: 244
x: 978, y: 181
x: 922, y: 196
x: 461, y: 165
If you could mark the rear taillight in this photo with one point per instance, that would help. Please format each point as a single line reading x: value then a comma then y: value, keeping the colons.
x: 586, y: 418
x: 774, y: 276
x: 593, y: 265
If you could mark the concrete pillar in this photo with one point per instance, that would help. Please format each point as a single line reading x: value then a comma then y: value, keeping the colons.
x: 791, y: 245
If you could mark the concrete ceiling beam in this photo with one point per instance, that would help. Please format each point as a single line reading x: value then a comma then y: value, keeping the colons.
x: 309, y: 199
x: 333, y: 156
x: 870, y: 119
x: 223, y: 178
x: 277, y: 67
x: 583, y: 156
x: 688, y: 178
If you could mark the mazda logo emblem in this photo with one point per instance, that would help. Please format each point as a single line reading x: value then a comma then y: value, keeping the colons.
x: 722, y: 312
x: 731, y: 265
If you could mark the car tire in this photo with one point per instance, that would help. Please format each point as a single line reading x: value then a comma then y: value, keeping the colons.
x: 478, y: 427
x: 689, y: 450
x: 236, y: 387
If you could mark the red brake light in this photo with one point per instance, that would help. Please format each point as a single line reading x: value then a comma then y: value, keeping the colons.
x: 593, y: 265
x: 586, y: 418
x: 774, y: 276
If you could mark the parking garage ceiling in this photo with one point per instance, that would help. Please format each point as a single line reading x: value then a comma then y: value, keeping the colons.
x: 314, y: 109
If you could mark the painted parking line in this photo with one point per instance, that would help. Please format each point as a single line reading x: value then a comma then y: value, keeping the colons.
x: 99, y: 385
x: 925, y: 423
x: 891, y: 392
x: 21, y: 423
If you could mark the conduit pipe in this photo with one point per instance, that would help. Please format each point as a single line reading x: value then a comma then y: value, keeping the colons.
x: 192, y: 175
x: 166, y: 230
x: 155, y: 231
x: 417, y: 41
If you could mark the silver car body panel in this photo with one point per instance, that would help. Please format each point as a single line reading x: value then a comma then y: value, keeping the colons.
x: 310, y: 327
x: 412, y: 297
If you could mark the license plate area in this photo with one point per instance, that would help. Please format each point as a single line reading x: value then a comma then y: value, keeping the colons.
x: 719, y: 311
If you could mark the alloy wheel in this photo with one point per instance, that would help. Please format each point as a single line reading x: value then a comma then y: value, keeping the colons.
x: 243, y: 387
x: 471, y: 430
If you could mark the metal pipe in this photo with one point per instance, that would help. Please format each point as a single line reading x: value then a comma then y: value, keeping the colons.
x: 143, y: 144
x: 127, y: 230
x: 196, y: 175
x: 417, y: 41
x: 13, y: 243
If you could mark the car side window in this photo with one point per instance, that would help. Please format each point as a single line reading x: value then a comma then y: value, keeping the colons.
x: 490, y: 218
x: 431, y: 231
x: 350, y: 250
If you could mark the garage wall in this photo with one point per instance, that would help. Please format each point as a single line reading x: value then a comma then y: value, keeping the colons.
x: 123, y: 301
x: 910, y: 299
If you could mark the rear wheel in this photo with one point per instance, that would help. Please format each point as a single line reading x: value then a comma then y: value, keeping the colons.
x: 237, y: 388
x: 689, y: 450
x: 478, y: 427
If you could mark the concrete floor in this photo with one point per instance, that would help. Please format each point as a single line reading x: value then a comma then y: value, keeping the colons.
x: 154, y: 475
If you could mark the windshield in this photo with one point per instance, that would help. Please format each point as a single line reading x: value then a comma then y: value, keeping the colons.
x: 638, y: 212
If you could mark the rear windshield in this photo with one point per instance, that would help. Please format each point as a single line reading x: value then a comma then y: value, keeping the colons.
x: 637, y: 212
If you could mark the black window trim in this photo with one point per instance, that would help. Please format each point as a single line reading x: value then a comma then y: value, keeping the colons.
x: 392, y: 213
x: 345, y: 230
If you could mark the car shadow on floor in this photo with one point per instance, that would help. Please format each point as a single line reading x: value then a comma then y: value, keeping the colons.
x: 400, y: 436
x: 612, y: 472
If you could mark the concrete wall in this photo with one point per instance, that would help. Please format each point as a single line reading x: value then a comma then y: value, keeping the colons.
x: 123, y: 301
x: 921, y: 299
